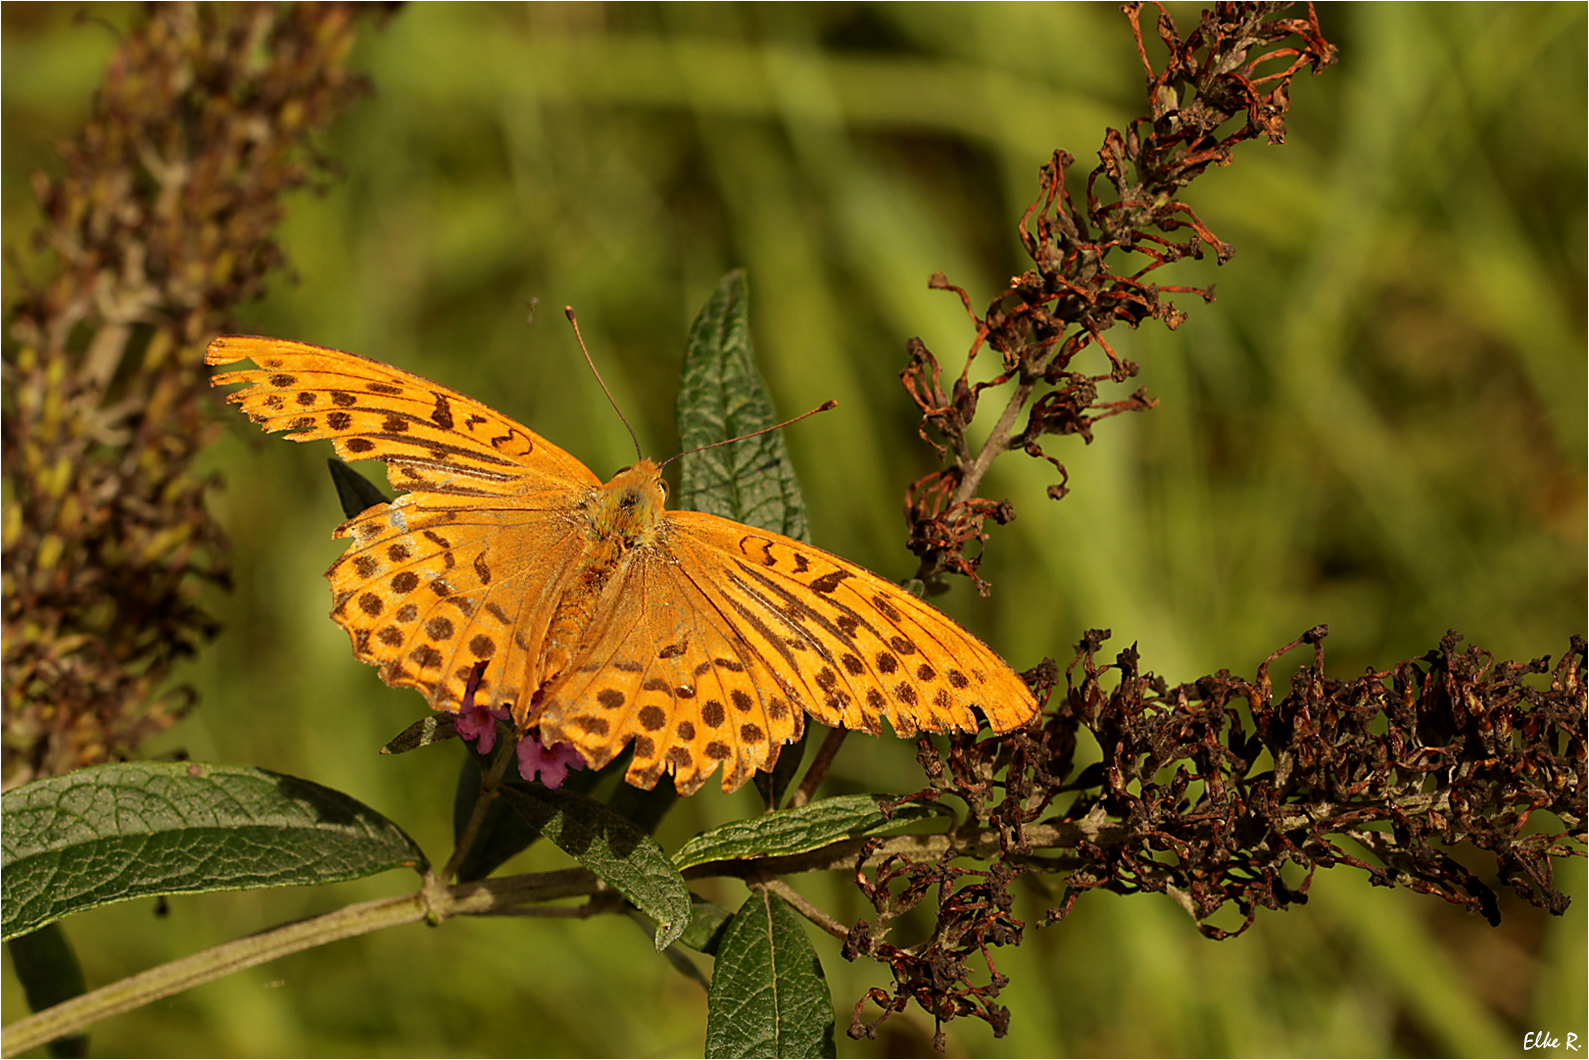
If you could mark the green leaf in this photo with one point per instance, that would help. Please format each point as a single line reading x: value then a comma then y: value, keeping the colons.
x: 354, y: 491
x: 769, y: 996
x: 721, y: 396
x: 46, y: 966
x: 673, y: 954
x: 612, y: 848
x: 801, y: 829
x: 505, y: 832
x: 423, y: 733
x: 708, y: 921
x: 109, y: 833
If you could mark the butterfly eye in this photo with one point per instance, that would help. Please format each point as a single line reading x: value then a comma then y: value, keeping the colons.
x: 663, y: 486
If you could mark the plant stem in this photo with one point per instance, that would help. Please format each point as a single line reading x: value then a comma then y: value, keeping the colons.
x: 997, y: 442
x: 806, y: 909
x: 476, y: 898
x: 501, y: 896
x: 71, y: 1016
x: 490, y: 782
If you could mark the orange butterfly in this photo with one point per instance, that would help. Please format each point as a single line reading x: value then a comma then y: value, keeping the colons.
x: 602, y: 617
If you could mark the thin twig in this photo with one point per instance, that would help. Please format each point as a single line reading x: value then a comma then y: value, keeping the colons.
x: 490, y: 784
x: 432, y: 902
x: 997, y: 443
x: 819, y: 767
x: 807, y: 910
x: 599, y: 904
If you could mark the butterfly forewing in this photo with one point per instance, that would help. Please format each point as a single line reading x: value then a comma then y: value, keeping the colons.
x: 431, y: 437
x: 863, y: 648
x: 462, y: 566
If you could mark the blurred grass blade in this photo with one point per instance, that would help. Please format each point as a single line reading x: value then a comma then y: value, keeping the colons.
x: 47, y: 967
x: 802, y: 828
x: 721, y: 396
x: 109, y: 833
x: 769, y: 996
x: 356, y: 492
x: 612, y: 848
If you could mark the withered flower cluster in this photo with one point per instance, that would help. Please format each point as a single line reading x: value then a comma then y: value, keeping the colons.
x: 1208, y: 791
x: 1222, y: 71
x: 1212, y: 793
x: 159, y: 225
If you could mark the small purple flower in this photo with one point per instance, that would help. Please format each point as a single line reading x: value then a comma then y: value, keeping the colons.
x: 552, y: 763
x: 474, y: 722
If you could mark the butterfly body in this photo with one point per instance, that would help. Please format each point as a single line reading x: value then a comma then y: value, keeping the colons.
x: 601, y: 616
x: 620, y: 517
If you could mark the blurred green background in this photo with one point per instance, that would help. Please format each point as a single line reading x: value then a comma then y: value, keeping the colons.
x: 1379, y: 425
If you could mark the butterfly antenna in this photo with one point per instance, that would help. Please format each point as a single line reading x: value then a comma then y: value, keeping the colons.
x: 825, y: 406
x: 568, y: 311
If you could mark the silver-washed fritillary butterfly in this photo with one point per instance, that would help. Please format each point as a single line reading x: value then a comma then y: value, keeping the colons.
x: 602, y: 617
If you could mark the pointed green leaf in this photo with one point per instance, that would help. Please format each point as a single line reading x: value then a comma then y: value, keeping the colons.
x: 721, y: 396
x: 708, y: 921
x: 422, y: 733
x: 612, y: 848
x: 114, y: 832
x: 801, y: 829
x: 674, y: 954
x: 354, y: 491
x: 505, y: 832
x: 769, y: 996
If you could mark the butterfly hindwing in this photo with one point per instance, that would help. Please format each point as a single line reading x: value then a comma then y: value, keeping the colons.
x: 426, y: 591
x: 666, y: 671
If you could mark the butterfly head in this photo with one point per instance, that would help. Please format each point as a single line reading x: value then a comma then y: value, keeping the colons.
x: 630, y: 506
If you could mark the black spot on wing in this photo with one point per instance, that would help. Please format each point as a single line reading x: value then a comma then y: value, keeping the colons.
x: 829, y: 582
x: 441, y: 416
